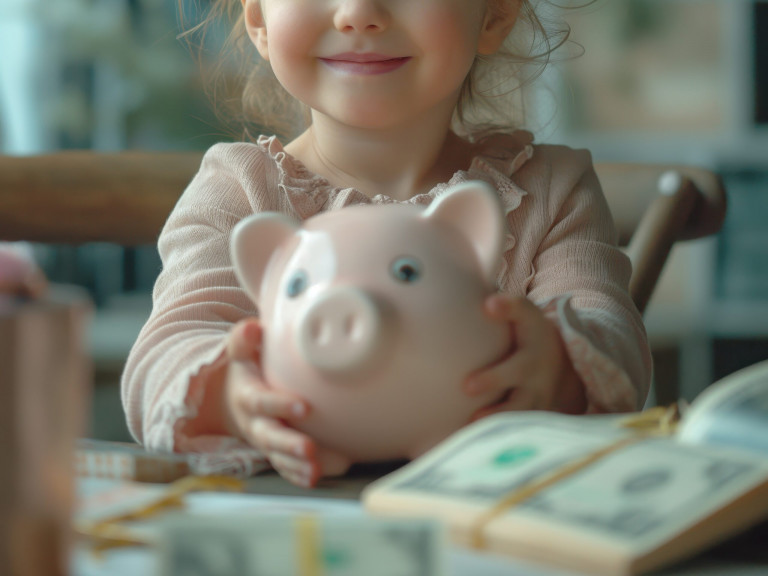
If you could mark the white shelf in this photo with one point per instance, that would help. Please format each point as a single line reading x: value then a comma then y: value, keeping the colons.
x: 731, y: 152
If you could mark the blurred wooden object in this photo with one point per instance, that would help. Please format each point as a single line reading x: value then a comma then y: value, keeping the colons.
x: 75, y: 197
x: 44, y: 397
x: 656, y: 205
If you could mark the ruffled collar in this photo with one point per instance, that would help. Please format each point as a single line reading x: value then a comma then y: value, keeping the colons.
x: 309, y: 193
x: 499, y: 157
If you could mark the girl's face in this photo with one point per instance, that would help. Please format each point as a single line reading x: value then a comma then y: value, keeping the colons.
x: 374, y: 63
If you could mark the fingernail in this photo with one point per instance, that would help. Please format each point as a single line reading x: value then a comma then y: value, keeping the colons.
x: 305, y: 481
x: 496, y: 304
x: 298, y: 409
x: 299, y: 450
x: 310, y: 476
x: 251, y: 332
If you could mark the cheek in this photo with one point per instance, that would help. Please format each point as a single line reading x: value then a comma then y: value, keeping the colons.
x: 454, y: 34
x: 291, y: 33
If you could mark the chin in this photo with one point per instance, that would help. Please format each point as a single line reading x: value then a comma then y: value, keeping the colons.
x: 374, y: 120
x: 369, y: 114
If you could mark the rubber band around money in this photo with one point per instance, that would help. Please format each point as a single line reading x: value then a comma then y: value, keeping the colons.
x: 108, y: 533
x: 658, y: 421
x: 308, y: 546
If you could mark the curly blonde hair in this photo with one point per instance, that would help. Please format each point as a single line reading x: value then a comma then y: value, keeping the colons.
x: 248, y: 98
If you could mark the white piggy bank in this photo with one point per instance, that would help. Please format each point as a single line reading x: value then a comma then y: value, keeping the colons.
x: 374, y: 315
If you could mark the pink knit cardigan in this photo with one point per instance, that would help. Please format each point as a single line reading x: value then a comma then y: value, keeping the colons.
x: 560, y: 251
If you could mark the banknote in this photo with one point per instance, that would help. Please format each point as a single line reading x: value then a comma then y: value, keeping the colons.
x: 300, y: 545
x: 646, y: 492
x: 638, y: 495
x: 500, y: 454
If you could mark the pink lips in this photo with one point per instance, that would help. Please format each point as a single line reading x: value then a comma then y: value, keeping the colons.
x: 364, y: 63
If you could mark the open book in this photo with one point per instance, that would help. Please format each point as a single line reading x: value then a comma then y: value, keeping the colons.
x: 596, y: 494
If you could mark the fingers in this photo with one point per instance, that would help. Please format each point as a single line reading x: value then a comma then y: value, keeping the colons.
x: 290, y: 452
x: 514, y: 399
x: 505, y: 308
x: 297, y: 471
x: 270, y: 435
x: 261, y: 411
x: 332, y: 463
x: 244, y: 341
x: 250, y: 393
x: 535, y: 350
x: 500, y: 376
x: 263, y: 414
x: 258, y: 400
x: 294, y: 454
x: 509, y: 383
x: 533, y: 332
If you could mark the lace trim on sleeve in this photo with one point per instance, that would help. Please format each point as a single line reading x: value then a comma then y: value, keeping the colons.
x: 608, y: 387
x: 212, y: 454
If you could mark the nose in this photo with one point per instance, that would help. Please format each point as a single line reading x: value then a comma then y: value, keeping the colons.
x: 361, y: 16
x: 340, y: 331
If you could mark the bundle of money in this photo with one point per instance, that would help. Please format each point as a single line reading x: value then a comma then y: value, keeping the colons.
x: 299, y: 545
x: 127, y: 461
x: 577, y: 492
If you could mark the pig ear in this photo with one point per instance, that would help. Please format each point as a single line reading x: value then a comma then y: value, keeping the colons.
x: 474, y: 210
x: 253, y: 242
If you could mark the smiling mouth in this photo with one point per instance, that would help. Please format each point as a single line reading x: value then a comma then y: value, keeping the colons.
x: 364, y: 64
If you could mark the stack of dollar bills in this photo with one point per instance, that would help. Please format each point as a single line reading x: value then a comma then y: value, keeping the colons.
x: 299, y: 545
x: 582, y: 493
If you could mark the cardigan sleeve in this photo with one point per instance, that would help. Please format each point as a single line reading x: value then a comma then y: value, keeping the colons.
x: 580, y: 278
x: 196, y: 300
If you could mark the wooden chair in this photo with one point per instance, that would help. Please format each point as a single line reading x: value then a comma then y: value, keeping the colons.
x: 656, y: 205
x: 125, y: 197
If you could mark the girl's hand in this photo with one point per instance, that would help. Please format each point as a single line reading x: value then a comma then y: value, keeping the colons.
x: 262, y: 416
x: 538, y: 374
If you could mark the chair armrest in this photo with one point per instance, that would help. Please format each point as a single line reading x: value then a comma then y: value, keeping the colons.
x: 690, y: 204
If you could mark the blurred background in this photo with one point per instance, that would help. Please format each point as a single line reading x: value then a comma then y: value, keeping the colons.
x: 659, y: 81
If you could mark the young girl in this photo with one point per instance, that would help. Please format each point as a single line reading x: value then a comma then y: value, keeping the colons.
x: 398, y: 94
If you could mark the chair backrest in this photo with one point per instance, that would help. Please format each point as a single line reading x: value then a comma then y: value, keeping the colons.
x: 656, y: 205
x: 76, y: 197
x: 125, y: 197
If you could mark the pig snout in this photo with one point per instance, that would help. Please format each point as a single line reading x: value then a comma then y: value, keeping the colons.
x: 340, y: 330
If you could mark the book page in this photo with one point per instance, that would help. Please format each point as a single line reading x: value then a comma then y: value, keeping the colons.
x: 732, y: 412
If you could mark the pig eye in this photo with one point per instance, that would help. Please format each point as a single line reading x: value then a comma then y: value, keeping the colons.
x: 297, y: 283
x: 406, y: 270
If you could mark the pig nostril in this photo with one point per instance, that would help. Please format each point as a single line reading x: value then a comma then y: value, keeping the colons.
x: 318, y: 331
x: 353, y: 327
